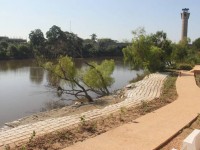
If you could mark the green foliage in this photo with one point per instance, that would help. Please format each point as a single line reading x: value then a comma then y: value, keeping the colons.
x: 63, y: 69
x: 36, y: 38
x: 93, y: 37
x: 196, y: 44
x: 184, y: 66
x: 14, y: 50
x: 82, y: 119
x: 4, y: 44
x: 155, y: 52
x: 95, y: 78
x: 60, y: 42
x: 180, y: 51
x: 32, y: 136
x: 146, y: 51
x: 98, y: 77
x: 169, y: 92
x: 155, y: 59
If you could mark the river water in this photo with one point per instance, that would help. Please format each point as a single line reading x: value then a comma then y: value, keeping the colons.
x: 24, y: 86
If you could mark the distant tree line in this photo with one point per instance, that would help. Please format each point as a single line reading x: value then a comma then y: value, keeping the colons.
x: 14, y: 48
x: 152, y: 51
x: 61, y: 43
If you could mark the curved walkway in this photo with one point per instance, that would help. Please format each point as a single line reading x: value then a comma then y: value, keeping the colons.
x: 151, y: 130
x: 145, y: 90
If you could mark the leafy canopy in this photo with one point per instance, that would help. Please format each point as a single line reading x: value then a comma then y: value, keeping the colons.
x: 94, y: 75
x: 95, y: 78
x: 149, y: 52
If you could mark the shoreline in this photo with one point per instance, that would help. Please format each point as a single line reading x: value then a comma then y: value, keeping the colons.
x: 99, y: 103
x: 140, y: 98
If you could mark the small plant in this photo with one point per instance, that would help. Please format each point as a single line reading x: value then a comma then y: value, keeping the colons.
x: 23, y: 148
x: 82, y: 119
x: 197, y: 78
x: 64, y: 135
x: 184, y: 66
x: 144, y: 106
x: 122, y: 113
x: 92, y: 127
x: 7, y: 147
x: 32, y: 136
x: 122, y: 110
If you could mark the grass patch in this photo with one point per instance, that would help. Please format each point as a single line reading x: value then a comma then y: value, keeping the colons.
x: 140, y: 77
x: 89, y: 129
x: 169, y: 92
x: 197, y: 78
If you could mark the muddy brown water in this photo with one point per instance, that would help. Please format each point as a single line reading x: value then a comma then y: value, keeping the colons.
x: 24, y: 86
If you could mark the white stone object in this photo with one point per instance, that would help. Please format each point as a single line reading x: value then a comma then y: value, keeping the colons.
x: 192, y: 141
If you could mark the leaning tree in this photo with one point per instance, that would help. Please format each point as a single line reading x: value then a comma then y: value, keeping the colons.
x: 94, y: 78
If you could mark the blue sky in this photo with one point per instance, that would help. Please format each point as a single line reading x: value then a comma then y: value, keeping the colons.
x: 107, y: 18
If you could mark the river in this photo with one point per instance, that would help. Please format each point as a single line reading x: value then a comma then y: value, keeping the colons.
x: 24, y: 86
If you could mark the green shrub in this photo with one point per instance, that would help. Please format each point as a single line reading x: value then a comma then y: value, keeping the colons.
x: 184, y: 66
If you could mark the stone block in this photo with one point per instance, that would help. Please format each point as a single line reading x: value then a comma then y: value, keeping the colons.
x: 192, y: 141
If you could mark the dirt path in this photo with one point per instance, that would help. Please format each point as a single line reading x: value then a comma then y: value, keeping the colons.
x: 151, y: 130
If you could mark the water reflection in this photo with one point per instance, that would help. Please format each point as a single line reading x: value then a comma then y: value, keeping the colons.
x: 36, y: 75
x: 13, y: 65
x: 24, y: 90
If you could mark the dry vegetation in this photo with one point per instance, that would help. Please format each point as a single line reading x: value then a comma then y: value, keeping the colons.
x: 198, y: 79
x: 89, y: 129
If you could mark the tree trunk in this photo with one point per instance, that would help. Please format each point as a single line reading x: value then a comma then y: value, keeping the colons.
x: 89, y: 98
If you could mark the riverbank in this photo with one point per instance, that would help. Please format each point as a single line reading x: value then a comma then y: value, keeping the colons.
x: 25, y: 87
x: 116, y: 118
x: 76, y: 107
x: 69, y: 110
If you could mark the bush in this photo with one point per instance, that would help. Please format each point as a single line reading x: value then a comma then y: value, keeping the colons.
x: 184, y: 66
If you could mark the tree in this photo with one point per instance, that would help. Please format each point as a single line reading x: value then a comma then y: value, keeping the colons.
x: 196, y: 44
x: 37, y: 42
x: 63, y: 43
x: 74, y: 45
x: 98, y: 77
x: 3, y: 53
x: 24, y: 51
x: 180, y: 51
x: 94, y: 78
x: 37, y: 38
x: 93, y: 37
x: 13, y: 51
x: 106, y: 47
x: 4, y: 44
x: 160, y: 40
x: 148, y: 51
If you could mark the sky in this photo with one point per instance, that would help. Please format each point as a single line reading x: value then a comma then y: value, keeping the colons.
x: 114, y: 19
